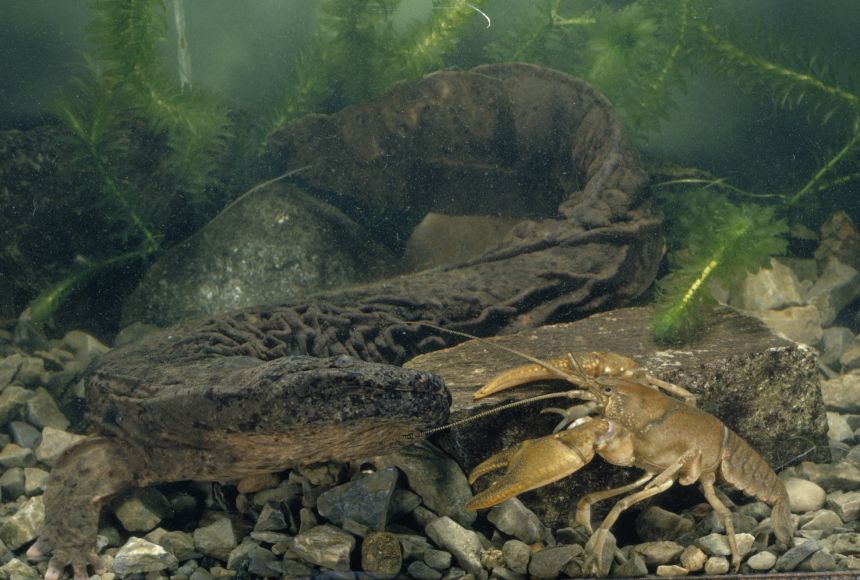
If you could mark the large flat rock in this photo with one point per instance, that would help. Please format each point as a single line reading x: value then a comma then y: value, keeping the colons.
x: 763, y: 387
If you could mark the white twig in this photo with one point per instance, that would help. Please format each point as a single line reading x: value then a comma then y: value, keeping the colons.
x: 182, y: 54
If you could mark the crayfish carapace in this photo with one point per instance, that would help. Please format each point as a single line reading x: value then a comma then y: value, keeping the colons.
x: 628, y: 420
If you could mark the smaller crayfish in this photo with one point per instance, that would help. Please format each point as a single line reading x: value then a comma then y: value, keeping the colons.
x: 629, y: 421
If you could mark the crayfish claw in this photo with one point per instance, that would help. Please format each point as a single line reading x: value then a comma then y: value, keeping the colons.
x: 492, y: 463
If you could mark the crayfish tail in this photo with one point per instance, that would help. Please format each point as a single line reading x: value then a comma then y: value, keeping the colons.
x: 780, y: 518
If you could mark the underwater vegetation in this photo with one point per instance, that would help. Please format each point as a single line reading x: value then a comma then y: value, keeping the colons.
x: 639, y: 54
x: 152, y: 144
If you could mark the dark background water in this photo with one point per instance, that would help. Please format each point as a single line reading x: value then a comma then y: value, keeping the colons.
x: 246, y: 52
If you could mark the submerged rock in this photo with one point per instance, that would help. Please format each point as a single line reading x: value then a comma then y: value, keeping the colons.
x: 269, y: 248
x: 737, y: 369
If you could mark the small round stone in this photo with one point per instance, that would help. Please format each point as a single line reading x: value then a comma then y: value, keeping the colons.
x: 380, y: 553
x: 762, y: 561
x: 716, y: 565
x: 804, y: 496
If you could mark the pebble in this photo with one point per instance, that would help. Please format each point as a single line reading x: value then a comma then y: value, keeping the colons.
x: 437, y: 559
x: 257, y: 560
x: 12, y: 402
x: 24, y: 434
x: 693, y: 558
x: 804, y: 496
x: 54, y: 443
x: 834, y: 342
x: 846, y: 543
x: 515, y: 519
x: 365, y: 500
x: 216, y: 540
x: 716, y: 565
x: 414, y: 546
x: 32, y: 372
x: 294, y: 569
x: 13, y: 455
x: 141, y: 509
x: 9, y: 368
x: 421, y: 571
x: 549, y: 562
x: 822, y: 520
x: 21, y: 527
x: 12, y: 483
x: 325, y: 546
x: 517, y: 555
x: 836, y: 286
x: 845, y: 504
x: 381, y: 554
x: 34, y: 480
x: 794, y: 556
x: 492, y: 558
x: 838, y: 428
x: 634, y: 567
x: 762, y: 561
x: 463, y: 544
x: 83, y: 344
x: 844, y: 475
x: 671, y: 570
x: 606, y: 557
x: 820, y: 561
x: 42, y: 411
x: 658, y: 553
x: 842, y: 393
x: 718, y: 544
x: 435, y: 477
x: 138, y: 556
x: 180, y: 544
x: 655, y: 524
x: 19, y: 570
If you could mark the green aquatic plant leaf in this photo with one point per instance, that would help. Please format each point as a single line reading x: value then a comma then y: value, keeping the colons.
x: 791, y: 76
x: 125, y: 35
x: 721, y: 242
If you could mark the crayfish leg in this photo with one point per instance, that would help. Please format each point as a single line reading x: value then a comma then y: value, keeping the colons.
x: 724, y: 514
x: 571, y: 414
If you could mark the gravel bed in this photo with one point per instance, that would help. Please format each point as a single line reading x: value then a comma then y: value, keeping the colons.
x: 342, y: 521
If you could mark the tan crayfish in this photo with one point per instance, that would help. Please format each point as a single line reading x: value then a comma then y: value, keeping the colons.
x: 629, y: 421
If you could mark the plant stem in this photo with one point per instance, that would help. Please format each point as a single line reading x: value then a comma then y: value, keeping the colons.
x: 742, y: 58
x: 182, y: 54
x: 673, y: 54
x: 811, y: 184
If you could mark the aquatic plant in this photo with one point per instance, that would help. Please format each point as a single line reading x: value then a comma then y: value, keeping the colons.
x: 720, y: 242
x: 636, y: 54
x: 356, y: 52
x: 729, y: 240
x: 131, y: 120
x: 141, y: 145
x: 639, y: 54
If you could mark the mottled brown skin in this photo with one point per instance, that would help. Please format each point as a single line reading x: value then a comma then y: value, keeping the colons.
x: 232, y: 417
x: 219, y: 398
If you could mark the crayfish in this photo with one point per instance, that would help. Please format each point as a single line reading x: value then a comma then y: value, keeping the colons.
x: 629, y: 421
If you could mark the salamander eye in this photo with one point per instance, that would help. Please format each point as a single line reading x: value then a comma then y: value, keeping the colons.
x: 607, y: 390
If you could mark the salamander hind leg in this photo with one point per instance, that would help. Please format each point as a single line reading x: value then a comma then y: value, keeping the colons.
x: 84, y: 477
